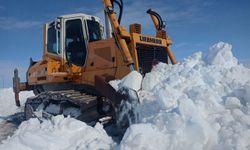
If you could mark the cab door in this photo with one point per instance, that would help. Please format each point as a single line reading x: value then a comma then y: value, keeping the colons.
x: 101, y: 52
x: 75, y: 41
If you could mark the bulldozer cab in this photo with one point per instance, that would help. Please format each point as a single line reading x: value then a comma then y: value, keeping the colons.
x: 68, y: 36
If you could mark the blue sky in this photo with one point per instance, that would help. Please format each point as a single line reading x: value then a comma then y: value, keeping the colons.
x: 194, y: 25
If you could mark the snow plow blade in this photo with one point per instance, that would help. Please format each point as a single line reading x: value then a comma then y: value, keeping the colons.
x: 116, y: 97
x: 124, y: 100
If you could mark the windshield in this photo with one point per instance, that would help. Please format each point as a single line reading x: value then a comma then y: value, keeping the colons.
x: 94, y: 29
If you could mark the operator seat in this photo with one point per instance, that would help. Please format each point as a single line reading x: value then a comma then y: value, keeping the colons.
x: 77, y: 52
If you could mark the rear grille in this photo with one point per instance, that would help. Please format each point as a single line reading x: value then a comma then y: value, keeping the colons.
x: 148, y: 55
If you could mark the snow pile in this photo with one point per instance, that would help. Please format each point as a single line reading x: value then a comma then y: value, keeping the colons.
x: 59, y: 133
x: 132, y: 80
x: 7, y: 101
x: 220, y: 55
x: 200, y: 103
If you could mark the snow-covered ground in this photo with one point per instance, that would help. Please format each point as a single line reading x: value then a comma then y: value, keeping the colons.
x: 8, y: 108
x: 202, y: 102
x: 7, y: 101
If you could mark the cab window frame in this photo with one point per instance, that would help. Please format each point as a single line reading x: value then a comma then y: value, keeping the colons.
x: 53, y: 47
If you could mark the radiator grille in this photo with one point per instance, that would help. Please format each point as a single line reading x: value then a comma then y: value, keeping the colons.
x: 148, y: 55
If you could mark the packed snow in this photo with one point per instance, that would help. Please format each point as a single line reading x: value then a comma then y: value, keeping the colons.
x: 7, y: 109
x: 132, y: 80
x: 200, y: 103
x: 59, y: 133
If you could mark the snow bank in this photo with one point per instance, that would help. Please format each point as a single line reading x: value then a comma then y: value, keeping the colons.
x: 7, y: 101
x: 200, y: 103
x: 59, y: 133
x: 8, y: 107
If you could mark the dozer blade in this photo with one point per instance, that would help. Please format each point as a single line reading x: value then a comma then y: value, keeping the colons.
x: 124, y: 101
x: 126, y: 112
x: 116, y: 97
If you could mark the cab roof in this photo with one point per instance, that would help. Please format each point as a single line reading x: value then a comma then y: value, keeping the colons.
x: 86, y: 16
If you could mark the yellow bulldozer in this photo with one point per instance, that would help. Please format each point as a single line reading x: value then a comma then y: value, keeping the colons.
x: 77, y: 64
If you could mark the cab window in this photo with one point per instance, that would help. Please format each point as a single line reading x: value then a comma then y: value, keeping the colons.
x: 53, y: 40
x: 75, y: 42
x: 94, y: 30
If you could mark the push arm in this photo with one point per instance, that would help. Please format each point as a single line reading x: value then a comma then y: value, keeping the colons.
x: 161, y: 33
x: 120, y: 34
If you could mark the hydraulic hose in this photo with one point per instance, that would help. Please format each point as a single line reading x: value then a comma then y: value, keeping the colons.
x: 161, y: 25
x: 120, y: 5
